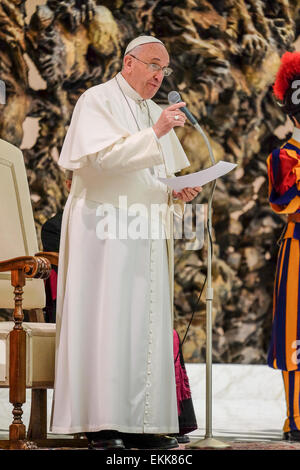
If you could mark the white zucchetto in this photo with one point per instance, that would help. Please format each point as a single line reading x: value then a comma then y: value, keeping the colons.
x: 141, y: 40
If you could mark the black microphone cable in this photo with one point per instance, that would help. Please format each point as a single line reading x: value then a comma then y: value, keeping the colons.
x: 200, y: 294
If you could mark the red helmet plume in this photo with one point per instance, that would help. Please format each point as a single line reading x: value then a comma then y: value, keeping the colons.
x: 289, y: 69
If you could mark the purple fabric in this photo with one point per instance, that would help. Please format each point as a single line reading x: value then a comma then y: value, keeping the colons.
x: 183, y: 390
x: 53, y: 283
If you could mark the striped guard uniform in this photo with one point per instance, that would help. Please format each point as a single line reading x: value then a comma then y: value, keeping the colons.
x: 284, y: 350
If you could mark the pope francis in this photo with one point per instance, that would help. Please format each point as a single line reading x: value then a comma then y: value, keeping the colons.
x: 114, y: 377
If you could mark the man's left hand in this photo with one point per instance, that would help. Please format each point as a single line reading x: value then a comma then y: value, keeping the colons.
x: 187, y: 194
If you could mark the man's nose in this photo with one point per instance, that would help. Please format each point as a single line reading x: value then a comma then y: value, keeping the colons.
x: 159, y: 75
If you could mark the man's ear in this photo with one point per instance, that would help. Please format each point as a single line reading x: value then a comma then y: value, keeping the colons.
x: 127, y: 63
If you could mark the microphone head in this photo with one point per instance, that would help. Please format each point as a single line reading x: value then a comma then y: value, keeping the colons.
x: 174, y: 97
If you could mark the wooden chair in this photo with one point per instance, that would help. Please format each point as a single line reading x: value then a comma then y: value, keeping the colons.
x: 22, y: 273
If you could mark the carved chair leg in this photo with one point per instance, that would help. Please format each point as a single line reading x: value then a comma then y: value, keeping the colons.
x: 17, y: 361
x: 37, y: 428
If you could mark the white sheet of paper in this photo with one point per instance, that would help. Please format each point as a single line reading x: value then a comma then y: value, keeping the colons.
x: 200, y: 178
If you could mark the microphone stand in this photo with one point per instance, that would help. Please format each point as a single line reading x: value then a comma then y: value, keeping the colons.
x: 208, y: 440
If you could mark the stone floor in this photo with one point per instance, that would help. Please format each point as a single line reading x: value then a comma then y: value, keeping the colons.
x: 248, y: 400
x: 248, y: 406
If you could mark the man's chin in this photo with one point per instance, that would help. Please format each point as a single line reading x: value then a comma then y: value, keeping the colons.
x: 150, y: 95
x: 150, y: 92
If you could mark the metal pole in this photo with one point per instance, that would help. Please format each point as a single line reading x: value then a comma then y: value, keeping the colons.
x: 208, y: 441
x: 209, y: 299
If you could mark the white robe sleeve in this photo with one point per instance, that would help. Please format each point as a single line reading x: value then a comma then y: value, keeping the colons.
x: 136, y: 152
x: 179, y: 207
x: 178, y: 204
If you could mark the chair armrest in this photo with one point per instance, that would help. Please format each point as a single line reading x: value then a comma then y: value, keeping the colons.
x: 16, y: 263
x: 32, y: 266
x: 50, y: 255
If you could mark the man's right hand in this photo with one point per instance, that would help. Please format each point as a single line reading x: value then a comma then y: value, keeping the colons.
x: 169, y: 118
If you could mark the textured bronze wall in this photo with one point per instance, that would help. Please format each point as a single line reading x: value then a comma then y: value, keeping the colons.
x: 225, y: 54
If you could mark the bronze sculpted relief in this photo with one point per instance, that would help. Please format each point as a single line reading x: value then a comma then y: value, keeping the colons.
x: 225, y: 55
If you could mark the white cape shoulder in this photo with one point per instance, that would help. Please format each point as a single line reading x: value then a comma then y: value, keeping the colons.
x: 98, y: 123
x: 92, y: 128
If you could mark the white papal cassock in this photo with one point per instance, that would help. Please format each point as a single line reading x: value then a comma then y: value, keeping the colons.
x: 114, y: 354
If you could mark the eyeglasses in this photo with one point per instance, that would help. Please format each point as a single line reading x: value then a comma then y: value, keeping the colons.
x: 155, y: 67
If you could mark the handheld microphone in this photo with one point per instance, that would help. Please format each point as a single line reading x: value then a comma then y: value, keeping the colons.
x: 173, y: 98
